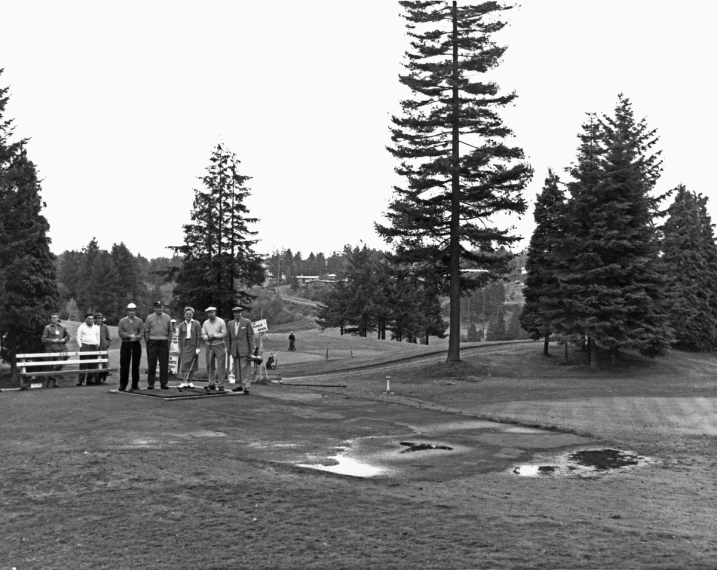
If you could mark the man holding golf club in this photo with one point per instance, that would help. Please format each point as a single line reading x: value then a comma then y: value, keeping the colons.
x: 214, y: 331
x: 190, y: 331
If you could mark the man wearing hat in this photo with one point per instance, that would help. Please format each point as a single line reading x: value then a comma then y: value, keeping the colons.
x: 190, y: 331
x: 157, y: 334
x: 55, y: 337
x: 241, y: 345
x: 88, y: 339
x: 131, y: 331
x: 214, y: 331
x: 105, y: 341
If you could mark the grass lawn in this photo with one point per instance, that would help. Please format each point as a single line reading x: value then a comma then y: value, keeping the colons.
x: 90, y: 479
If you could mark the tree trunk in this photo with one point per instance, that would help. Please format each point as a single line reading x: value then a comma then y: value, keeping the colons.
x: 546, y: 344
x: 614, y: 354
x: 593, y: 353
x: 454, y: 339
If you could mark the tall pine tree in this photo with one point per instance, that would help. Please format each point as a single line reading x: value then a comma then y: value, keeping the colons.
x: 542, y: 288
x: 29, y: 289
x: 611, y: 273
x: 442, y: 220
x: 690, y: 258
x: 220, y: 263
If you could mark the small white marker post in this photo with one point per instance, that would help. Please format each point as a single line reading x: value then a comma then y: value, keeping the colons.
x: 388, y: 385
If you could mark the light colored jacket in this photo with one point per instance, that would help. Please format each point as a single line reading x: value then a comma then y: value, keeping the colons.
x: 241, y: 337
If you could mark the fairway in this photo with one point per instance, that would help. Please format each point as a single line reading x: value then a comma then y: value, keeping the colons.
x: 92, y: 479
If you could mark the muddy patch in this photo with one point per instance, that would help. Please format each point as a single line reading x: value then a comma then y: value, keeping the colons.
x: 584, y: 463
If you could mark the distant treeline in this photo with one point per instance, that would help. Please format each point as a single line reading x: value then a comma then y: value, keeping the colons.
x: 98, y: 280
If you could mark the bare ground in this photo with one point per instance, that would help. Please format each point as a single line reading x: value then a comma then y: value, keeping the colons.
x: 96, y: 480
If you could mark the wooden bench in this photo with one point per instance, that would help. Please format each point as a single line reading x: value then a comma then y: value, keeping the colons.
x: 40, y: 360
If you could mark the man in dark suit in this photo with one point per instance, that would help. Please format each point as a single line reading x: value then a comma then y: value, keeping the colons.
x: 241, y: 347
x: 105, y: 341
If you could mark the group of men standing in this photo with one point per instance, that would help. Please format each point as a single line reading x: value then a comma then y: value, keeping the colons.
x: 235, y: 339
x: 92, y: 335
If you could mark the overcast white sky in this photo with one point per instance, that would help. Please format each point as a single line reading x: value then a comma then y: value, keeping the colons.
x: 124, y: 101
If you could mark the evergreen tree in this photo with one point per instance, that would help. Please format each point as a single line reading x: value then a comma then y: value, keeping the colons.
x: 496, y: 326
x: 28, y: 277
x: 129, y: 281
x: 690, y: 258
x: 514, y: 330
x: 611, y: 274
x: 219, y: 262
x: 542, y: 289
x: 441, y: 221
x: 472, y: 335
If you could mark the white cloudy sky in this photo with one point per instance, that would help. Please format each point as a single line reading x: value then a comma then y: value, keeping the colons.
x: 124, y: 101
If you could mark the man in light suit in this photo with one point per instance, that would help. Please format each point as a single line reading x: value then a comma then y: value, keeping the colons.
x: 241, y: 347
x: 189, y: 335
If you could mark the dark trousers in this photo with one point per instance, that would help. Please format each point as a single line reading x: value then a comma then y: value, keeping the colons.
x: 88, y: 377
x: 158, y: 349
x: 130, y: 352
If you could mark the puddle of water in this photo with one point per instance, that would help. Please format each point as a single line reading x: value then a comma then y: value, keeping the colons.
x: 422, y: 447
x: 586, y: 462
x: 348, y: 466
x: 602, y: 459
x: 523, y: 430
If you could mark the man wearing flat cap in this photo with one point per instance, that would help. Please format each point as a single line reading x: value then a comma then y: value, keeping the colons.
x: 157, y: 334
x: 190, y: 331
x: 214, y: 331
x: 131, y: 331
x: 241, y: 346
x: 105, y: 341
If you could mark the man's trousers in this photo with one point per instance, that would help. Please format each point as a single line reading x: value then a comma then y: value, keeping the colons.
x: 158, y: 349
x: 130, y: 352
x: 216, y: 363
x: 87, y: 378
x: 242, y: 371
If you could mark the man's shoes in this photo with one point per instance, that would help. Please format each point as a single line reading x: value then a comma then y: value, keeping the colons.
x: 190, y: 385
x: 150, y: 387
x: 78, y: 384
x: 246, y: 391
x: 207, y: 388
x: 183, y: 385
x: 132, y: 389
x: 238, y: 389
x: 164, y: 387
x: 121, y: 389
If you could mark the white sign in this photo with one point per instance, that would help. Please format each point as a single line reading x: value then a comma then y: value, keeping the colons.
x: 260, y: 326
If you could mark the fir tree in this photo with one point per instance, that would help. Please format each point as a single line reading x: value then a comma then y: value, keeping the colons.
x: 611, y: 274
x: 690, y: 259
x: 219, y: 262
x: 496, y: 326
x: 28, y: 278
x: 441, y: 221
x: 542, y: 289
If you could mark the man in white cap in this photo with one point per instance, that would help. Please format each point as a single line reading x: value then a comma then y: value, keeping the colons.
x: 214, y: 331
x: 131, y: 330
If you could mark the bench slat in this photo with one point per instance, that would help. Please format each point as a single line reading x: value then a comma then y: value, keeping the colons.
x: 48, y: 354
x: 65, y: 372
x: 63, y: 362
